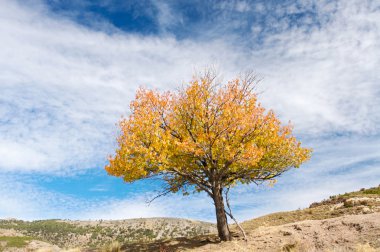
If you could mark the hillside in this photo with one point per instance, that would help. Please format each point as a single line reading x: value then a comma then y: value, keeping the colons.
x: 95, y: 234
x: 346, y: 233
x: 348, y: 222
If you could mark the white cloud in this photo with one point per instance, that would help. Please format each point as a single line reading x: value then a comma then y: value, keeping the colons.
x: 25, y: 199
x: 324, y: 80
x: 19, y: 198
x: 195, y: 207
x: 338, y: 167
x: 10, y: 153
x: 64, y: 90
x: 64, y: 86
x: 242, y: 6
x: 166, y: 18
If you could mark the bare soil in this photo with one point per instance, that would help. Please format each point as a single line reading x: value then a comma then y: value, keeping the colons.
x: 337, y: 234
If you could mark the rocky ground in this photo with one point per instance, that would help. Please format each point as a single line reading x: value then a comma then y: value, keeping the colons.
x: 347, y: 222
x: 347, y: 233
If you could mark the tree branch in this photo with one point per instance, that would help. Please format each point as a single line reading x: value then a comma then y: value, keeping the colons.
x: 164, y: 193
x: 229, y: 213
x: 193, y: 178
x: 167, y: 190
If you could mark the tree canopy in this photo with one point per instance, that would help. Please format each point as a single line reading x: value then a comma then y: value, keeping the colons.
x: 205, y: 136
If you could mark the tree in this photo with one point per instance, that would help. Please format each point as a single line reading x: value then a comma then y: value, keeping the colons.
x: 205, y: 137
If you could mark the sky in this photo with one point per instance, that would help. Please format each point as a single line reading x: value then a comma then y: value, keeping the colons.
x: 70, y: 68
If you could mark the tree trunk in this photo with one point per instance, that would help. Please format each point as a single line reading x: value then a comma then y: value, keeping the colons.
x: 221, y: 218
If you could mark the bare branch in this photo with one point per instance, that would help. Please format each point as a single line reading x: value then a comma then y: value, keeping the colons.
x: 167, y: 190
x: 193, y: 178
x: 164, y: 193
x: 229, y: 213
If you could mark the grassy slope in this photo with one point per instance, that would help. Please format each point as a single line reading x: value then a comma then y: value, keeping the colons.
x: 321, y: 210
x: 14, y: 241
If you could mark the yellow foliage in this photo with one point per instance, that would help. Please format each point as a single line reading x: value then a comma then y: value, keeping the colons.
x: 202, y: 134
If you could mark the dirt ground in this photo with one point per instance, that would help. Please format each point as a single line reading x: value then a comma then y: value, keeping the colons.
x: 359, y: 233
x: 347, y: 233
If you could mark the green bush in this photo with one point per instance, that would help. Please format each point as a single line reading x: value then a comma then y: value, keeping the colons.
x: 15, y: 241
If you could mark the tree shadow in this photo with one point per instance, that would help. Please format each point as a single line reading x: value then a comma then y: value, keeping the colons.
x: 171, y: 245
x: 176, y: 244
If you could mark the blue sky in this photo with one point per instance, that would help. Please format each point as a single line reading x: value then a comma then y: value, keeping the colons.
x: 69, y: 70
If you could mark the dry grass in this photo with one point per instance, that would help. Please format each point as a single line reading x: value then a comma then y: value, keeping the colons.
x: 113, y: 247
x: 308, y: 247
x: 363, y: 201
x: 365, y: 248
x: 51, y: 250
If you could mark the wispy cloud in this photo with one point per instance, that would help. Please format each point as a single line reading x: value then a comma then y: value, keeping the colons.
x: 326, y: 78
x: 64, y: 86
x: 23, y: 198
x: 64, y: 90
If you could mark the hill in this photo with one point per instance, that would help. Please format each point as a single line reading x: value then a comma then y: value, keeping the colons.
x: 95, y: 234
x: 347, y: 222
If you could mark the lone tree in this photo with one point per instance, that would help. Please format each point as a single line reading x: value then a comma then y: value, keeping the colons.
x: 205, y: 137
